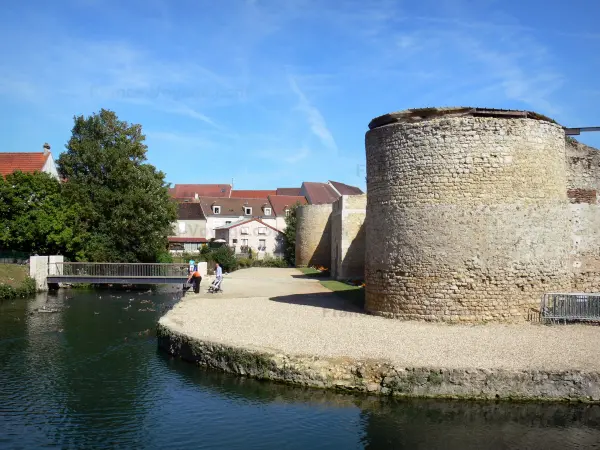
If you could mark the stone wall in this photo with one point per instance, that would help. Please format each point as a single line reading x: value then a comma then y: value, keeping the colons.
x: 382, y: 378
x: 583, y: 183
x: 468, y: 216
x: 348, y: 237
x: 313, y: 235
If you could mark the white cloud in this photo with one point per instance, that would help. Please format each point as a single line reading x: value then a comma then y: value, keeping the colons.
x: 314, y: 117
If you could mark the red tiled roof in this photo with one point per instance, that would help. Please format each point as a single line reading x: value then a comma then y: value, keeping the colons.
x: 186, y: 239
x: 288, y: 191
x: 25, y: 162
x: 319, y: 193
x: 345, y: 189
x: 242, y: 222
x: 251, y: 194
x: 203, y: 190
x: 234, y: 206
x: 280, y: 202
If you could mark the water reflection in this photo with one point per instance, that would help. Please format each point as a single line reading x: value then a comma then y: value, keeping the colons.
x: 90, y: 376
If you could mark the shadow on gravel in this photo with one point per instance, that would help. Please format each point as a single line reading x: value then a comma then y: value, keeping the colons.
x: 341, y: 301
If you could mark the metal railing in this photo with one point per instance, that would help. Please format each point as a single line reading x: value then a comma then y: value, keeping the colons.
x: 149, y: 270
x: 557, y: 307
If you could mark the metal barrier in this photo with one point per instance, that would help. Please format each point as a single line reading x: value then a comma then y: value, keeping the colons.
x: 100, y: 270
x: 557, y: 307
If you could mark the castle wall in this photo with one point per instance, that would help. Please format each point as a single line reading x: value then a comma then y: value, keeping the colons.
x: 348, y: 237
x: 583, y: 184
x: 468, y: 217
x: 313, y: 235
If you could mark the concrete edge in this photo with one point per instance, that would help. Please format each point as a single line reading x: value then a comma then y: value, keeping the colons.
x: 382, y: 378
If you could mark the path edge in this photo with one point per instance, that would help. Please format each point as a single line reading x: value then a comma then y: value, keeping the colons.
x: 381, y: 377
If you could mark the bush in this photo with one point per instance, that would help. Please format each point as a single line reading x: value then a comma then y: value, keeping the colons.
x: 225, y: 257
x: 27, y: 289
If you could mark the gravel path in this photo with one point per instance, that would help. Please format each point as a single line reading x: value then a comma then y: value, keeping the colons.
x: 281, y: 311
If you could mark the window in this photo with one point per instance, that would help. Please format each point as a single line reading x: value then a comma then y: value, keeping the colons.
x: 216, y: 210
x: 267, y: 211
x: 182, y: 227
x: 247, y: 210
x: 244, y: 230
x: 235, y: 241
x: 227, y: 222
x: 262, y: 244
x: 287, y: 212
x: 245, y: 242
x: 262, y: 230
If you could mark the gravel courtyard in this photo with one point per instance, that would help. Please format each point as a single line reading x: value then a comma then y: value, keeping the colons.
x: 283, y: 311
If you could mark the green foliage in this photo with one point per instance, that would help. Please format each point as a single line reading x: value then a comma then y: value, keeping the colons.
x: 243, y: 263
x: 225, y: 257
x: 25, y: 289
x: 289, y: 236
x: 36, y: 218
x: 122, y: 201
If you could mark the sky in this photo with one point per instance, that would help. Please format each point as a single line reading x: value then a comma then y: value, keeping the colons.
x: 271, y: 93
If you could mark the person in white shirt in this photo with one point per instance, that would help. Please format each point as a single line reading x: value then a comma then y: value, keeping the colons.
x: 218, y: 275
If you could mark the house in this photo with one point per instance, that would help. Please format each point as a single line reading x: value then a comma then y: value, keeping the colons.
x: 254, y: 234
x: 240, y: 193
x: 281, y: 207
x: 195, y: 191
x: 221, y: 211
x: 28, y: 162
x: 189, y: 232
x: 326, y: 193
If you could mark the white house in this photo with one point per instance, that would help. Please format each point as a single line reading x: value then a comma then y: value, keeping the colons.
x: 220, y: 212
x: 253, y: 234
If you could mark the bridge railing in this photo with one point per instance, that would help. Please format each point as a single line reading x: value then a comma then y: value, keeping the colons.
x: 74, y: 269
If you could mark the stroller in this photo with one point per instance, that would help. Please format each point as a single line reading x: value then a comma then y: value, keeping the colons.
x: 215, y: 286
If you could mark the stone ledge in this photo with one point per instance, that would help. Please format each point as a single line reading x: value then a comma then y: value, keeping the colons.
x: 380, y: 377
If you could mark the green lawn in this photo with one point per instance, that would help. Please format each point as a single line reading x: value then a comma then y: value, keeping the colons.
x: 353, y: 294
x: 313, y: 273
x: 13, y: 274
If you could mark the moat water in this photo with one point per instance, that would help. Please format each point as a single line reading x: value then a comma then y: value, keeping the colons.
x: 90, y: 376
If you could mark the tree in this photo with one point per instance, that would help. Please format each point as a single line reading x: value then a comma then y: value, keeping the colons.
x: 35, y: 218
x: 123, y: 201
x: 289, y: 250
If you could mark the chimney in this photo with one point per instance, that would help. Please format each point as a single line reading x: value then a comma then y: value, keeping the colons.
x: 46, y: 149
x: 196, y: 196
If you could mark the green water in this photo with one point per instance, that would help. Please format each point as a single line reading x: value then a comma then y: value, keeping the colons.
x: 90, y: 376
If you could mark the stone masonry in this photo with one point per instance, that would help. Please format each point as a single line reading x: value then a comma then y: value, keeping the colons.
x: 583, y: 183
x: 313, y: 235
x: 348, y: 237
x: 468, y: 214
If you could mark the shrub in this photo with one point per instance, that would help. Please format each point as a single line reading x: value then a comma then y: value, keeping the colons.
x: 26, y: 289
x: 225, y: 257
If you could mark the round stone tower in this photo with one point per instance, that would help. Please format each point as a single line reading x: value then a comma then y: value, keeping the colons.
x: 313, y: 235
x: 468, y: 214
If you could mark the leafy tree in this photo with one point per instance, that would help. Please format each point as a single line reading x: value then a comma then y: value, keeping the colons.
x: 35, y: 218
x: 123, y: 201
x: 289, y: 235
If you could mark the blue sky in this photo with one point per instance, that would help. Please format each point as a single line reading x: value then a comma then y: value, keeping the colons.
x: 272, y: 93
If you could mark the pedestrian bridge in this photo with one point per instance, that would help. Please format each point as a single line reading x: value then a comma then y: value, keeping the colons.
x: 117, y: 273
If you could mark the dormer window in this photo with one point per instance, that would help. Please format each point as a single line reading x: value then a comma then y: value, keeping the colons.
x: 287, y: 212
x: 216, y: 209
x: 267, y: 211
x: 248, y: 210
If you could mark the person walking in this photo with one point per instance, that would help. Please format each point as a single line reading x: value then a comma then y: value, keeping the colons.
x: 196, y: 278
x: 218, y: 275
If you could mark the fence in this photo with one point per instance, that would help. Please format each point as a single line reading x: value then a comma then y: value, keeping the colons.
x: 119, y: 269
x: 13, y: 257
x: 557, y: 307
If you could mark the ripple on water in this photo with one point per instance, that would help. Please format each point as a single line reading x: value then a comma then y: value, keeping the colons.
x: 101, y: 383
